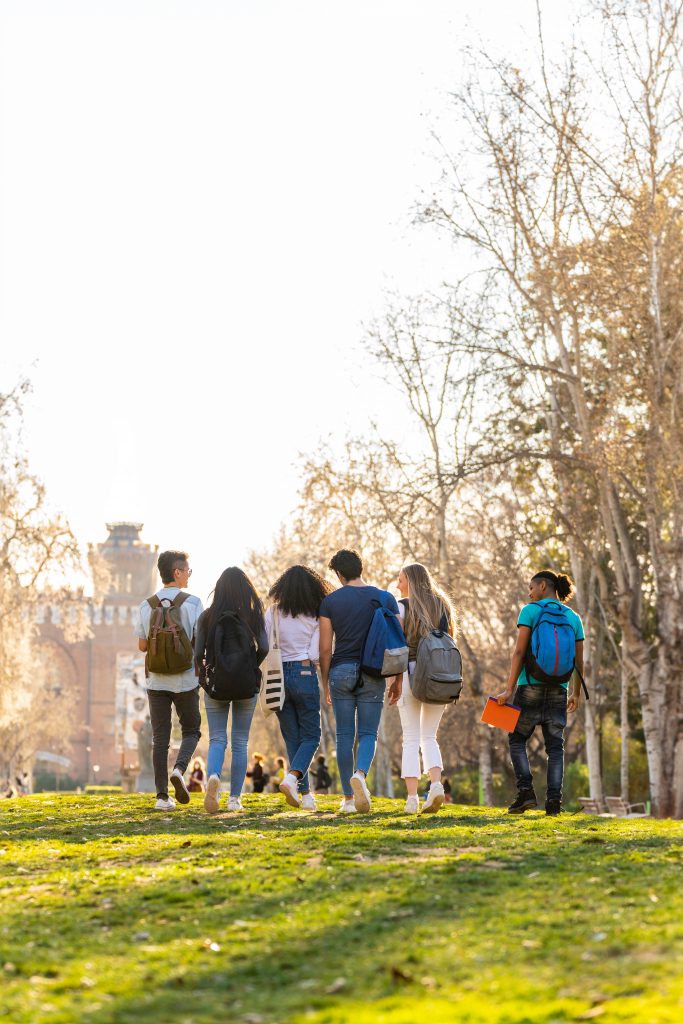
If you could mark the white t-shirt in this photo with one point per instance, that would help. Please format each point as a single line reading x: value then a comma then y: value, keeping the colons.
x: 299, y: 636
x: 190, y: 611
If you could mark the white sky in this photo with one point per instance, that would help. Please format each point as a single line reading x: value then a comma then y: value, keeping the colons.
x: 201, y: 203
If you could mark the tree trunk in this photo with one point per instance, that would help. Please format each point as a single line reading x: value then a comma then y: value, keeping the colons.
x: 593, y: 753
x: 384, y: 780
x: 486, y: 764
x: 625, y: 734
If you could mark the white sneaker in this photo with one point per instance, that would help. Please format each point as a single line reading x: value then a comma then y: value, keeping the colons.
x: 289, y: 787
x: 412, y: 805
x: 435, y: 797
x: 361, y: 793
x: 213, y: 788
x: 308, y: 802
x: 235, y: 804
x: 182, y: 793
x: 165, y: 805
x: 348, y: 805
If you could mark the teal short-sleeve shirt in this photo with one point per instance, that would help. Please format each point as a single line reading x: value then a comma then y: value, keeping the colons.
x: 528, y: 616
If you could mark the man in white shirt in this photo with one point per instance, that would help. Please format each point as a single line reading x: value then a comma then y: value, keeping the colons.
x: 180, y: 690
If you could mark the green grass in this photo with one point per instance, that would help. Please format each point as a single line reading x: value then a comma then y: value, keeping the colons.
x: 112, y: 913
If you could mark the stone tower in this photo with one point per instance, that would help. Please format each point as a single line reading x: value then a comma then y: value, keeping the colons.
x: 131, y: 563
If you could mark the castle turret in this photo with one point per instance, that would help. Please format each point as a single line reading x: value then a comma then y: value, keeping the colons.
x: 131, y: 562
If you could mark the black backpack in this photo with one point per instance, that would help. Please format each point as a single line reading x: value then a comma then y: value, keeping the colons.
x: 232, y: 671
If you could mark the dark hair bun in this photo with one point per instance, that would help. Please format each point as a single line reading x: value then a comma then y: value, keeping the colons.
x: 564, y: 586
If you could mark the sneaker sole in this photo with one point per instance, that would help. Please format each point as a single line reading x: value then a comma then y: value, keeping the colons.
x: 287, y: 794
x: 434, y: 806
x: 523, y: 808
x: 359, y: 798
x: 211, y: 796
x: 182, y: 794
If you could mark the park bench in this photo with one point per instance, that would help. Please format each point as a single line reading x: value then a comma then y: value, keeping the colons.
x: 589, y: 805
x: 622, y: 809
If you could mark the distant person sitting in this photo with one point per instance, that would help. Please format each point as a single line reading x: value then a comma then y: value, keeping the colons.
x: 196, y: 783
x: 165, y: 632
x: 357, y: 698
x: 321, y: 775
x: 258, y: 776
x: 278, y: 775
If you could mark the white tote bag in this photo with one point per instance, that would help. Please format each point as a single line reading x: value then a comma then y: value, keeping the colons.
x: 272, y: 692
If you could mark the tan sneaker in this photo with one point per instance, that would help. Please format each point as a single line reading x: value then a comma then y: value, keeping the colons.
x: 435, y: 798
x: 289, y: 787
x: 213, y: 788
x: 361, y: 793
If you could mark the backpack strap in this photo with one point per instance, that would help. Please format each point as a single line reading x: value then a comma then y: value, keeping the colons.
x: 583, y: 681
x: 179, y: 599
x: 153, y: 601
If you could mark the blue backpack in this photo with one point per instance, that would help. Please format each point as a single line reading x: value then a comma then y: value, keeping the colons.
x: 551, y: 654
x: 385, y: 650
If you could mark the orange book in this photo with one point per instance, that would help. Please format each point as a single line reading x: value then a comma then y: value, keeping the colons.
x: 504, y: 716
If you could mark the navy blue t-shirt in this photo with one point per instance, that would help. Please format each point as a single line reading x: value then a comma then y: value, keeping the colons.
x: 350, y: 610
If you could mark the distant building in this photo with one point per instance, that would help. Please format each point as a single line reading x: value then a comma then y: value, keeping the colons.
x: 105, y: 670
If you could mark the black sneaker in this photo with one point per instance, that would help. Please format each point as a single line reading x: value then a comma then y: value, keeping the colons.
x: 526, y: 799
x: 552, y: 807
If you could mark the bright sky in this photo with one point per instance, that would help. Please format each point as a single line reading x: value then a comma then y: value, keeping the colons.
x: 202, y: 202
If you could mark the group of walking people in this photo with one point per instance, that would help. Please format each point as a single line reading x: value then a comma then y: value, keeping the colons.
x: 321, y: 632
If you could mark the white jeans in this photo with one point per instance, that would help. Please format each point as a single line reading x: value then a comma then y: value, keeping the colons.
x: 419, y: 723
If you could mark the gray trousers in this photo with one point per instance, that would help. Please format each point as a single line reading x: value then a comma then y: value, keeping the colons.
x: 187, y: 707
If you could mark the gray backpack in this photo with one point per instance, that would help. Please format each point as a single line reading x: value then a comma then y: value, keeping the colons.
x: 437, y: 678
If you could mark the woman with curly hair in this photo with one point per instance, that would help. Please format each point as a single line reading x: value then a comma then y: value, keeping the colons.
x: 296, y: 597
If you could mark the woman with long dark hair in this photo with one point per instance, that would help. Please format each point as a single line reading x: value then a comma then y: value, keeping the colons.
x: 426, y: 607
x: 296, y: 597
x: 236, y: 602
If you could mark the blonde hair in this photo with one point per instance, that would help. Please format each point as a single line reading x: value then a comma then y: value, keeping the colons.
x: 428, y: 603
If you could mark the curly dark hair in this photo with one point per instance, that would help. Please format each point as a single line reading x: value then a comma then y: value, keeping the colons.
x: 561, y: 583
x: 299, y: 591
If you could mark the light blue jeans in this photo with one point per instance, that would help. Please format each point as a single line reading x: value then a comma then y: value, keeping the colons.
x: 217, y: 718
x: 300, y: 718
x: 356, y: 711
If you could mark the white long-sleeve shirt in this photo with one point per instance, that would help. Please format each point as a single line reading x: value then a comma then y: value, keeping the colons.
x: 299, y: 636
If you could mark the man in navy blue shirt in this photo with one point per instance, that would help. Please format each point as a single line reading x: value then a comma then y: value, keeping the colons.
x: 346, y: 614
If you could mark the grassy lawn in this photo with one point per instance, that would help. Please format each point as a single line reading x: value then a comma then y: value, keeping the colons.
x: 111, y: 913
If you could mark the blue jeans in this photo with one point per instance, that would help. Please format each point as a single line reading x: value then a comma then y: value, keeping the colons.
x: 359, y: 712
x: 545, y: 706
x: 217, y: 718
x: 300, y: 718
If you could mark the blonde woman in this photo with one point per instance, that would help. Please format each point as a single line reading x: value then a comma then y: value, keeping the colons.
x: 425, y: 607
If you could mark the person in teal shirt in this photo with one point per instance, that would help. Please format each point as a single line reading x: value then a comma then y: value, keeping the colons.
x: 542, y: 703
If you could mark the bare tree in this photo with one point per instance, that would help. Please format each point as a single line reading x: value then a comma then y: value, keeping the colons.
x: 579, y: 215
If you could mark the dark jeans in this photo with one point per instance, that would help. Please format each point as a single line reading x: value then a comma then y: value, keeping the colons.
x: 545, y: 706
x: 300, y: 718
x: 187, y: 707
